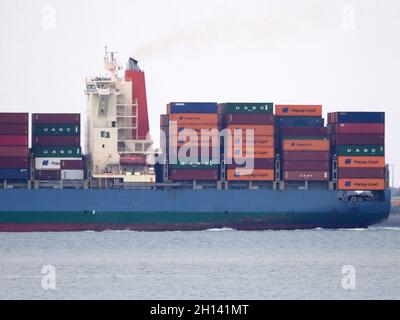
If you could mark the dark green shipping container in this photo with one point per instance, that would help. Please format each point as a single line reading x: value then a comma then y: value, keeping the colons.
x: 193, y: 166
x: 259, y: 107
x: 358, y: 150
x: 56, y: 130
x: 57, y: 152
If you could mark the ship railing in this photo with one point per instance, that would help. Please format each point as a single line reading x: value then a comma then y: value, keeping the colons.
x: 114, y: 182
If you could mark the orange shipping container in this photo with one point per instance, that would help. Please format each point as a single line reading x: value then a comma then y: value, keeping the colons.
x: 259, y: 130
x: 361, y: 162
x: 191, y: 129
x: 306, y: 145
x: 298, y: 110
x: 250, y: 175
x: 194, y: 118
x: 197, y: 127
x: 258, y: 153
x: 257, y: 141
x: 361, y: 184
x: 195, y: 141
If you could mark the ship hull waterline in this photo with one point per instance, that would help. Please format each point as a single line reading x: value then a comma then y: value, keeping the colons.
x: 171, y: 210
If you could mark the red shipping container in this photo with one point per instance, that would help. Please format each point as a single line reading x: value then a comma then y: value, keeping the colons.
x: 13, y: 140
x: 256, y: 119
x: 333, y: 117
x: 305, y: 176
x: 305, y: 165
x: 14, y: 118
x: 361, y: 139
x: 13, y: 129
x: 361, y: 173
x: 330, y: 117
x: 56, y: 141
x: 332, y: 140
x: 48, y: 174
x: 193, y: 174
x: 14, y: 163
x: 259, y: 163
x: 71, y: 164
x: 56, y: 118
x: 359, y: 128
x: 304, y: 132
x: 305, y: 156
x: 331, y: 129
x: 17, y: 152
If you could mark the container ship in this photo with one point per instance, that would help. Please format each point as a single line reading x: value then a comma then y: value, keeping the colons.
x: 245, y: 166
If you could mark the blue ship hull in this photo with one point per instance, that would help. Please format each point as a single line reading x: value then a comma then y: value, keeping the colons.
x: 161, y: 210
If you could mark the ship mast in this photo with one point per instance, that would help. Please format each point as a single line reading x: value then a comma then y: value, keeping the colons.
x: 111, y: 64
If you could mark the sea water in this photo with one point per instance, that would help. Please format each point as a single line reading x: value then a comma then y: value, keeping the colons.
x: 212, y: 264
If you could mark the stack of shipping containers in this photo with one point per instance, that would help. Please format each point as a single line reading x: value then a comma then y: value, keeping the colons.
x: 303, y: 143
x: 358, y: 140
x: 14, y: 154
x: 193, y: 116
x: 237, y: 119
x: 56, y: 147
x: 295, y: 138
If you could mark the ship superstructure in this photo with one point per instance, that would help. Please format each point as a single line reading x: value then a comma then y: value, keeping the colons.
x: 116, y: 145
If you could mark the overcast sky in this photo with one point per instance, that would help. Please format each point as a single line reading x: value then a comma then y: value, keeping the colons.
x: 344, y: 55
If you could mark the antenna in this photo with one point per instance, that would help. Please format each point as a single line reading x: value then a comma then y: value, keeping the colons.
x: 111, y: 63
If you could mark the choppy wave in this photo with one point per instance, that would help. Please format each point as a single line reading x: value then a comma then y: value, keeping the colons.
x: 295, y: 230
x: 220, y: 229
x: 353, y: 229
x: 385, y: 228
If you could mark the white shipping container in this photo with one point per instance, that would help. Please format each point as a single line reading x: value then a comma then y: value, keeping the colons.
x: 72, y: 174
x: 50, y: 163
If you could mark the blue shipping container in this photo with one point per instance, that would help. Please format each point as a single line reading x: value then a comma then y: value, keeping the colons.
x: 299, y: 122
x: 13, y: 174
x: 361, y: 117
x: 192, y: 107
